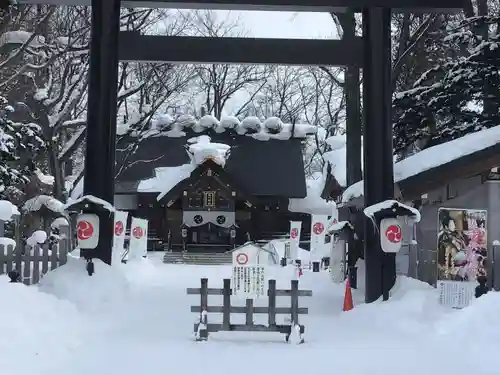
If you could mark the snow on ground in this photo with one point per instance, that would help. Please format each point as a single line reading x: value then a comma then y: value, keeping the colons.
x: 135, y: 318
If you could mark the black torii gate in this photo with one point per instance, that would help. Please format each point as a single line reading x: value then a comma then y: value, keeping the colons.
x: 372, y: 52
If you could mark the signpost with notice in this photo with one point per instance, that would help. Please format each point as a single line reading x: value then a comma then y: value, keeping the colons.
x: 249, y: 275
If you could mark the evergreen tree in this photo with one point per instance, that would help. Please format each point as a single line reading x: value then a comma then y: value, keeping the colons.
x: 458, y: 96
x: 18, y: 144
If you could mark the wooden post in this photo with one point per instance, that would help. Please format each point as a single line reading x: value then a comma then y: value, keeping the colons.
x: 26, y: 272
x: 271, y: 294
x: 226, y: 304
x: 204, y: 309
x: 294, y: 294
x: 249, y: 312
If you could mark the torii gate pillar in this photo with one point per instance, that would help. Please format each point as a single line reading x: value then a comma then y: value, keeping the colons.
x: 101, y: 115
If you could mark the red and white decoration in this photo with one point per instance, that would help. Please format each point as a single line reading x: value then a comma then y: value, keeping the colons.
x: 87, y: 231
x: 295, y: 227
x: 119, y: 229
x: 391, y: 235
x: 138, y: 245
x: 319, y: 248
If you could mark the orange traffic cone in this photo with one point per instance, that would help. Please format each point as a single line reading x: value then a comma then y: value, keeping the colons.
x: 348, y: 303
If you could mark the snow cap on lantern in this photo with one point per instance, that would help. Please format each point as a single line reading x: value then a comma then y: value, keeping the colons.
x: 386, y: 217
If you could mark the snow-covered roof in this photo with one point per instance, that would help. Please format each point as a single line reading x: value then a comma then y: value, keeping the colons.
x: 337, y: 158
x: 165, y: 179
x: 36, y: 203
x: 262, y: 130
x: 313, y: 203
x: 434, y: 157
x: 101, y: 202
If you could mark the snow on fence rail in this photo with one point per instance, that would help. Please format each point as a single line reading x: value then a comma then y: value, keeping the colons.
x: 33, y: 262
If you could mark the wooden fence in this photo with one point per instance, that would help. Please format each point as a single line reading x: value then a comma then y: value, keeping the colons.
x: 31, y: 263
x: 203, y: 327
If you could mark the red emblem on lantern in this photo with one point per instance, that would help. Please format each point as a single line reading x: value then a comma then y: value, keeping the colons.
x: 118, y: 228
x: 138, y: 232
x: 394, y: 233
x: 84, y: 230
x: 318, y: 228
x: 294, y: 233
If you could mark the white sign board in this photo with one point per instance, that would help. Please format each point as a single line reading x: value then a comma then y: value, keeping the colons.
x: 391, y: 235
x: 318, y: 232
x: 87, y: 231
x: 456, y: 294
x: 138, y: 245
x: 249, y: 281
x: 295, y: 227
x: 249, y: 278
x: 120, y: 225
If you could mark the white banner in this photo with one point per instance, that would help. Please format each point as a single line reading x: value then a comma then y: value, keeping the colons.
x: 318, y: 232
x: 120, y: 227
x: 295, y: 227
x: 138, y: 245
x: 337, y: 261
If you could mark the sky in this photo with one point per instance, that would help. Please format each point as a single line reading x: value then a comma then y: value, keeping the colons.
x: 291, y: 25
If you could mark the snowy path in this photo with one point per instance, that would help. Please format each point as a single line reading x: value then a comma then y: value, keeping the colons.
x: 139, y: 323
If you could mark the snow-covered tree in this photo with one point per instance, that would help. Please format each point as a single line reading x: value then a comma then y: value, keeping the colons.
x: 17, y: 142
x: 457, y: 96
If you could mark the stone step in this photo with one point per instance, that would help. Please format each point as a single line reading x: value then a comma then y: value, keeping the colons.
x: 198, y: 258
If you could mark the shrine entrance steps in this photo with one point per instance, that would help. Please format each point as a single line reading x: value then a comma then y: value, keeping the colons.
x: 209, y: 259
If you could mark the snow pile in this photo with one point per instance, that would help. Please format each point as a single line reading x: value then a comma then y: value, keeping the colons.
x: 6, y: 241
x: 38, y: 237
x: 8, y: 211
x: 96, y: 293
x: 433, y: 157
x: 201, y: 149
x: 36, y: 203
x: 312, y: 203
x: 480, y: 317
x: 263, y: 130
x: 38, y: 330
x: 44, y: 178
x: 59, y: 222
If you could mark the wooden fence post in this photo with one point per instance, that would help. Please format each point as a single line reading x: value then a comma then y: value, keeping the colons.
x: 203, y: 331
x: 26, y: 269
x: 226, y: 304
x: 294, y: 308
x: 271, y: 294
